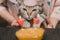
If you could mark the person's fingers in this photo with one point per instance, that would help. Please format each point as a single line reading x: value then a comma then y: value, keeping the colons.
x: 14, y: 23
x: 49, y: 26
x: 48, y: 19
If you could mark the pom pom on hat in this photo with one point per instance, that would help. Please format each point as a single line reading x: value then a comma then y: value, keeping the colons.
x: 30, y: 2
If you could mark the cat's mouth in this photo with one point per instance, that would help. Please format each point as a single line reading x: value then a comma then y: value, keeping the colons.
x: 28, y: 18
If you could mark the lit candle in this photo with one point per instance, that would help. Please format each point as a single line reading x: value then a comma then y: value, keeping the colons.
x: 21, y: 22
x: 35, y: 20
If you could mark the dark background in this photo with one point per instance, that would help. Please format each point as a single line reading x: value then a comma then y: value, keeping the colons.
x: 7, y: 33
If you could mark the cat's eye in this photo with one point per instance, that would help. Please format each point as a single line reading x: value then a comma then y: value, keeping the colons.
x: 34, y: 10
x: 24, y: 9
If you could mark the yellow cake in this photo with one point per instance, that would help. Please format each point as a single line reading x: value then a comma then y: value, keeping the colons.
x: 30, y: 34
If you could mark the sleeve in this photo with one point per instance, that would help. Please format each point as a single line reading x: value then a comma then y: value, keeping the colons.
x: 57, y: 1
x: 13, y: 1
x: 1, y: 1
x: 13, y: 8
x: 2, y: 8
x: 56, y: 13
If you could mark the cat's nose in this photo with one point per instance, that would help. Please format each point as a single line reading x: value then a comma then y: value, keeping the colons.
x: 29, y: 14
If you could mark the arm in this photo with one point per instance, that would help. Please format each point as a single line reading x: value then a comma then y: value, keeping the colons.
x: 54, y: 22
x: 4, y: 13
x: 52, y: 6
x: 6, y: 16
x: 54, y: 18
x: 47, y: 11
x: 46, y: 7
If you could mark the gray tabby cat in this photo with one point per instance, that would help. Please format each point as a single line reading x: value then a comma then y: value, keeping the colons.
x: 29, y: 12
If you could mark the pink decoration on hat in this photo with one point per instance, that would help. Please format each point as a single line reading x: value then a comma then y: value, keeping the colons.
x: 14, y: 1
x: 30, y: 2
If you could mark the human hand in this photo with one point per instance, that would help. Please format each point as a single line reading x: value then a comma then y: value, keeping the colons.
x: 14, y: 23
x: 50, y: 26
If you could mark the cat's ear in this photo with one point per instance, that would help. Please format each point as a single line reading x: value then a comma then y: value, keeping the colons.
x: 40, y: 2
x: 20, y: 1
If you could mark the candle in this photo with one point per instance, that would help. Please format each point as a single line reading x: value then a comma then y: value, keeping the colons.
x: 35, y: 20
x: 21, y: 22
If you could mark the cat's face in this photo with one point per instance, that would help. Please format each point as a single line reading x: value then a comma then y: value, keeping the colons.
x: 29, y: 12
